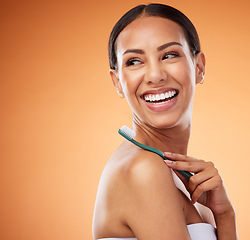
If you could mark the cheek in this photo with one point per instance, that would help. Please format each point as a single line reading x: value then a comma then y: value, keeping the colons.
x: 184, y: 74
x: 130, y: 82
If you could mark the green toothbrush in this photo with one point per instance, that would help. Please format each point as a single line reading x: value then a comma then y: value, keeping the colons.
x: 130, y: 134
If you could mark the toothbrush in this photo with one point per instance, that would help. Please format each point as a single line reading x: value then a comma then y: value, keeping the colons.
x: 130, y: 134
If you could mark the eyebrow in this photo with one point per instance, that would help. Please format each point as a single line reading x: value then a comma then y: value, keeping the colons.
x: 139, y: 51
x: 160, y: 48
x: 166, y: 45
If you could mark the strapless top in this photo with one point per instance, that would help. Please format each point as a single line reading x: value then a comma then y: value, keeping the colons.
x: 196, y: 231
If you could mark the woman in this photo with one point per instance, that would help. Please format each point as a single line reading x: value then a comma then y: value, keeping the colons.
x: 155, y: 62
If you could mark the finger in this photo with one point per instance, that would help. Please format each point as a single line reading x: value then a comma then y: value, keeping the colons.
x: 190, y: 166
x: 201, y: 177
x: 206, y: 186
x: 179, y: 157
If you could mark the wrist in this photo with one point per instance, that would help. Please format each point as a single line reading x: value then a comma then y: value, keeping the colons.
x: 226, y: 225
x: 225, y: 209
x: 227, y: 215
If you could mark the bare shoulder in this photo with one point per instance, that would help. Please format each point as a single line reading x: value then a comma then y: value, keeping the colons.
x: 146, y: 173
x: 133, y: 167
x: 143, y: 167
x: 151, y: 199
x: 137, y: 196
x: 133, y: 172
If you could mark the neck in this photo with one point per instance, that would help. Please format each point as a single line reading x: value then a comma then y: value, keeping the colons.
x: 174, y: 139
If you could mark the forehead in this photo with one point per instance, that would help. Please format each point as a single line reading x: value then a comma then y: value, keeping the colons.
x: 150, y: 31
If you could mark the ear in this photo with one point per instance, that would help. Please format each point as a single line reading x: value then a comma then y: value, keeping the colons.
x: 116, y: 81
x: 200, y: 67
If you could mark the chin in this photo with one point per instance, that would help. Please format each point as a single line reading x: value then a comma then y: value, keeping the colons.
x: 170, y: 121
x: 161, y: 122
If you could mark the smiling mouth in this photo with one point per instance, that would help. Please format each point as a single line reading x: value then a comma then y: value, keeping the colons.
x: 161, y: 98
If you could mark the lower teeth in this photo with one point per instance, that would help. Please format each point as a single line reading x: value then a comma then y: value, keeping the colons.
x: 161, y: 102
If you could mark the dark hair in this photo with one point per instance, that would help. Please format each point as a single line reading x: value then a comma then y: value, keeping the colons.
x: 158, y: 10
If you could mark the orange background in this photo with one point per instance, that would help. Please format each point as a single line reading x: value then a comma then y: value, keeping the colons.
x: 60, y: 113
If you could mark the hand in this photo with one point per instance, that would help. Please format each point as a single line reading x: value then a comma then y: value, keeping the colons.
x: 205, y: 186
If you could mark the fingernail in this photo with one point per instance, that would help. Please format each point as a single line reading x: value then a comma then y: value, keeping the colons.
x: 168, y: 161
x: 168, y: 153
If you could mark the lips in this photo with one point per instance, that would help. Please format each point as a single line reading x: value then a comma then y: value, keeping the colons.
x: 160, y: 97
x: 160, y: 100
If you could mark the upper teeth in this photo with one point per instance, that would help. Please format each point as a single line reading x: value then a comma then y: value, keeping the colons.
x: 157, y: 97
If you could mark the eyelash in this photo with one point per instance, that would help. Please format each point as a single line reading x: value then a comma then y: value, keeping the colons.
x: 174, y: 54
x: 131, y: 62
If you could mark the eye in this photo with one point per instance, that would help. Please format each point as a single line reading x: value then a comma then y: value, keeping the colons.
x: 169, y: 55
x: 132, y: 62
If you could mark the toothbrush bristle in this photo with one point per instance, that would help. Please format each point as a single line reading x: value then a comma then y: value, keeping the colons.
x: 128, y: 132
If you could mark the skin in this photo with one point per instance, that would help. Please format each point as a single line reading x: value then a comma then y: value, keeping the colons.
x: 138, y: 195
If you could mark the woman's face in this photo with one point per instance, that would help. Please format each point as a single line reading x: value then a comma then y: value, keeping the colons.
x: 157, y: 72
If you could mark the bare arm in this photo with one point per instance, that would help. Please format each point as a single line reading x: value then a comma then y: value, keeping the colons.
x: 153, y: 207
x: 226, y: 228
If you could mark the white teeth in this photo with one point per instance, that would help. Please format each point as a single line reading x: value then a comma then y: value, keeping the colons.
x: 167, y: 95
x: 161, y: 102
x: 163, y: 96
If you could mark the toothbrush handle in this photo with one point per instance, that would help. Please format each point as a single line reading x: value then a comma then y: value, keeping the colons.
x: 186, y: 174
x: 147, y: 148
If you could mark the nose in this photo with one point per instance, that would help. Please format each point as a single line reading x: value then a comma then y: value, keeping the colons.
x: 155, y: 73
